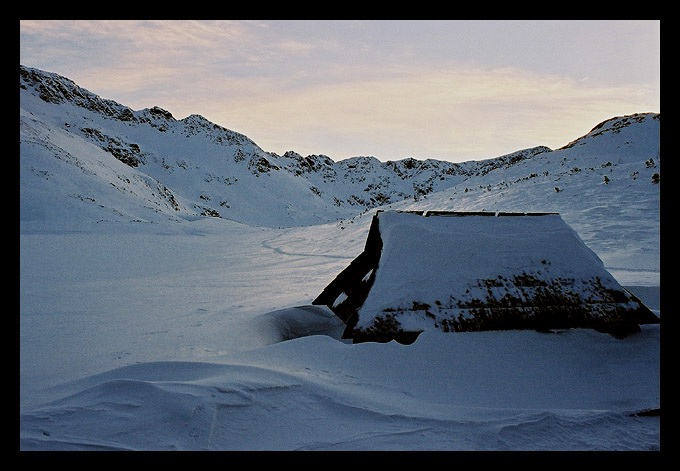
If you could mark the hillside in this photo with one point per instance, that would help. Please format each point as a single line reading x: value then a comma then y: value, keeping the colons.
x: 81, y: 154
x: 147, y: 166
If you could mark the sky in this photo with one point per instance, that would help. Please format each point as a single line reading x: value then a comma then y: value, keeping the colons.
x: 455, y: 90
x: 141, y: 331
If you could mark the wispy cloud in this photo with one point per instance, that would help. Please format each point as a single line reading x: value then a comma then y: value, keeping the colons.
x: 464, y: 113
x: 441, y: 89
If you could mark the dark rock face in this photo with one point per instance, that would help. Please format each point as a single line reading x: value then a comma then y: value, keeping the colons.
x: 130, y: 154
x: 53, y: 88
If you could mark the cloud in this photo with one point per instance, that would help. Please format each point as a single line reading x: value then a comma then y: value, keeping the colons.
x: 455, y: 113
x: 343, y: 88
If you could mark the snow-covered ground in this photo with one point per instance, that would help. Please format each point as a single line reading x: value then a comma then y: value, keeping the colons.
x: 157, y: 337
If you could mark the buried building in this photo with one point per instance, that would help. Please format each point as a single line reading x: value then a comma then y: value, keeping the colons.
x: 474, y: 271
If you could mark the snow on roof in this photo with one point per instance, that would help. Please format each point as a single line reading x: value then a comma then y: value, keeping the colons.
x: 457, y: 271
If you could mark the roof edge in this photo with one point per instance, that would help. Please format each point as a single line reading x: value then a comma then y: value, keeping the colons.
x: 427, y: 213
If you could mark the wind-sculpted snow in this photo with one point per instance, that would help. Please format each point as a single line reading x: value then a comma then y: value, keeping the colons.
x: 370, y: 397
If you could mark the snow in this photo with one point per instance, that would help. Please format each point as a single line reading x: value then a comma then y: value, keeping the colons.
x: 430, y: 259
x: 171, y: 338
x: 144, y: 331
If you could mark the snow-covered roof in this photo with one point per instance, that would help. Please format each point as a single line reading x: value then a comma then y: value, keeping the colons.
x: 460, y: 271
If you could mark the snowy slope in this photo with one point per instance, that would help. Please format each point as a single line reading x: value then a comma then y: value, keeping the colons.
x: 188, y: 168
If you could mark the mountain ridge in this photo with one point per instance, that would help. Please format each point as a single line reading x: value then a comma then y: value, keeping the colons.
x: 175, y: 170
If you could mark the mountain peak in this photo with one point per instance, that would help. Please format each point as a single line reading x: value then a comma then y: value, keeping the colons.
x: 614, y: 126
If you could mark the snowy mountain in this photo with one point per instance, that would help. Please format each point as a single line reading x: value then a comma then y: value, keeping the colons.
x: 93, y: 156
x: 189, y: 168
